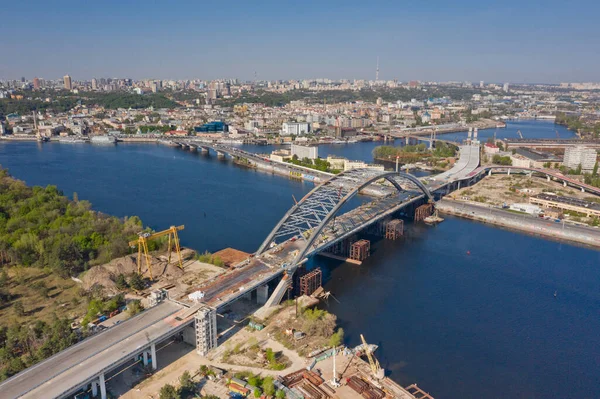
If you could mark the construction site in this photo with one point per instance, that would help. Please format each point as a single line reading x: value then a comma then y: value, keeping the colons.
x: 294, y: 344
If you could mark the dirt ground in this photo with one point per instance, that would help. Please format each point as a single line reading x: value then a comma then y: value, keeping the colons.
x: 63, y: 298
x: 499, y: 189
x: 231, y: 256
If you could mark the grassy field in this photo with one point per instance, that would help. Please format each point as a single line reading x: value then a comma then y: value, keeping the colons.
x: 44, y: 296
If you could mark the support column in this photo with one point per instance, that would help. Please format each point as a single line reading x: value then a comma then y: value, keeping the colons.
x: 262, y: 294
x: 145, y: 356
x: 548, y: 177
x: 490, y: 172
x: 102, y: 387
x: 582, y: 190
x: 508, y: 172
x: 153, y: 354
x: 206, y: 330
x: 94, y: 389
x: 564, y: 183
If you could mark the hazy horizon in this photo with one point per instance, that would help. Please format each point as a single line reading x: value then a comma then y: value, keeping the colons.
x: 466, y: 41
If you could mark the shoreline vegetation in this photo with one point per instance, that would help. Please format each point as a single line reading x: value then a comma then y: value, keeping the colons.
x: 45, y: 239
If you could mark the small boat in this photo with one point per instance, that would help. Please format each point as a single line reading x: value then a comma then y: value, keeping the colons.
x: 359, y: 350
x: 555, y: 292
x: 433, y: 219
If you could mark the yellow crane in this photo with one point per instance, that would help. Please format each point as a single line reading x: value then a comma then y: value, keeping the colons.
x: 375, y: 367
x: 142, y: 244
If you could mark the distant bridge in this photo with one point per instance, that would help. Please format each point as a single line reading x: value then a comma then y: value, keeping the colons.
x: 550, y: 143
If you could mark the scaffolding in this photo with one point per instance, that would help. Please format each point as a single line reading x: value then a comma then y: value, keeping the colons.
x: 206, y: 330
x: 341, y: 248
x: 311, y: 281
x: 360, y: 250
x: 423, y: 211
x: 394, y: 229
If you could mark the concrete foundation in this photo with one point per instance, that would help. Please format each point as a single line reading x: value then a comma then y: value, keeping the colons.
x: 262, y: 294
x: 189, y: 335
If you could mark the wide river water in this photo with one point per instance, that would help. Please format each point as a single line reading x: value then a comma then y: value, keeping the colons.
x: 463, y: 309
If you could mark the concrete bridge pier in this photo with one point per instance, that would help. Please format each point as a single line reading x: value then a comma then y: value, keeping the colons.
x: 262, y: 294
x: 407, y: 140
x: 153, y: 355
x: 206, y: 330
x: 489, y: 172
x: 508, y: 172
x: 220, y: 154
x: 564, y: 184
x: 582, y: 190
x: 547, y: 177
x: 99, y: 383
x: 203, y: 149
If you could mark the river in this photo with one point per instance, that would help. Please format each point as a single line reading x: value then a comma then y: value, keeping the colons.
x: 463, y: 309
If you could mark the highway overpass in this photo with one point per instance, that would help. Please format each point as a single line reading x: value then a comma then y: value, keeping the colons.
x: 87, y: 361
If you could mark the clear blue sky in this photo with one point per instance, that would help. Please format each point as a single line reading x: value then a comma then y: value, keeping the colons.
x: 514, y: 41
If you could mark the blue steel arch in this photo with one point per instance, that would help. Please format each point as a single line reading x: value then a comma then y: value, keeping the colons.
x: 316, y: 209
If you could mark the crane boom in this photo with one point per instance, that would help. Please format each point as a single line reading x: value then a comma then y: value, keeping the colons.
x: 142, y: 244
x: 375, y: 367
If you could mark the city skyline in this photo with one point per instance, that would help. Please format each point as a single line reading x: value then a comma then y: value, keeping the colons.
x: 507, y: 42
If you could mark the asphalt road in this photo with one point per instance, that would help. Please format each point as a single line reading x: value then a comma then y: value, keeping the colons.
x: 68, y: 369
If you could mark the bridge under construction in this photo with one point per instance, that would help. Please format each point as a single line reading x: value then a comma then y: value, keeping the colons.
x: 314, y: 224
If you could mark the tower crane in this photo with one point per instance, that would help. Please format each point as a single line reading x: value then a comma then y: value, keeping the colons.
x: 375, y: 367
x: 142, y: 244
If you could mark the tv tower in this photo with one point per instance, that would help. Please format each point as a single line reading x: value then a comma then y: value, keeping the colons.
x: 377, y: 70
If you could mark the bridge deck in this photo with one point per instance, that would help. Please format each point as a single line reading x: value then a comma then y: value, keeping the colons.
x: 467, y: 163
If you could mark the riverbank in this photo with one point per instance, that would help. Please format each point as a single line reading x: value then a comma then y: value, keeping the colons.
x: 524, y: 223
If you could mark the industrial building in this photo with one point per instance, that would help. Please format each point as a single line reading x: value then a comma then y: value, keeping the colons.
x: 551, y: 201
x: 526, y: 208
x: 527, y: 158
x: 580, y: 155
x: 212, y: 127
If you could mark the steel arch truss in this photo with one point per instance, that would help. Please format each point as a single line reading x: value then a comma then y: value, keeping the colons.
x: 313, y: 212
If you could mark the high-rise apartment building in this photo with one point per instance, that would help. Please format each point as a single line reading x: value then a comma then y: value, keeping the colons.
x: 94, y: 84
x: 36, y: 84
x: 580, y: 155
x: 68, y: 82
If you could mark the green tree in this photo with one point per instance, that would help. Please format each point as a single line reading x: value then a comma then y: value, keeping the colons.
x: 136, y: 282
x: 187, y: 387
x: 268, y: 386
x: 134, y: 307
x: 3, y: 278
x: 19, y: 309
x: 337, y: 338
x: 595, y: 171
x: 168, y: 391
x: 257, y: 393
x: 120, y: 282
x: 280, y: 394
